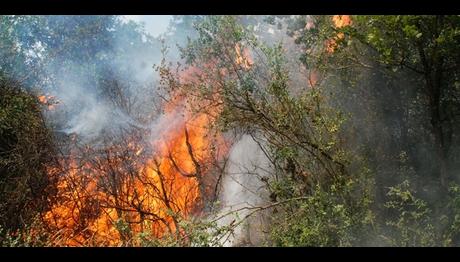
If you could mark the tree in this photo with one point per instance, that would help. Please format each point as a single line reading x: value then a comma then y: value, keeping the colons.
x: 423, y: 48
x: 427, y: 46
x: 251, y: 85
x: 27, y: 153
x: 382, y: 70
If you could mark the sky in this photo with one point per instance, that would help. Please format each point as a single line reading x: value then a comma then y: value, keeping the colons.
x: 154, y: 24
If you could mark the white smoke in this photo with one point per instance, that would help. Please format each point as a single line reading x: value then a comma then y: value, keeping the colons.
x: 155, y: 25
x: 82, y: 109
x: 243, y: 189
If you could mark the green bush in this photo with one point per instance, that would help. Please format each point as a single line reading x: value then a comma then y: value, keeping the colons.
x: 336, y: 215
x: 25, y: 152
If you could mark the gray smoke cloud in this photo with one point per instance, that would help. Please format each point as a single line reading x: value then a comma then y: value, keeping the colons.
x: 83, y: 107
x: 242, y: 191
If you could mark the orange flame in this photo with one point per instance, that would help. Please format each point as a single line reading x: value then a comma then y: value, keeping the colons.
x: 166, y: 186
x: 42, y: 99
x: 243, y: 58
x: 339, y: 22
x: 49, y: 101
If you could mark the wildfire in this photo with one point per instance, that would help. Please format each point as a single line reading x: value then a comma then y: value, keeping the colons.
x: 339, y: 22
x: 49, y: 101
x: 42, y: 99
x: 243, y: 58
x: 96, y: 197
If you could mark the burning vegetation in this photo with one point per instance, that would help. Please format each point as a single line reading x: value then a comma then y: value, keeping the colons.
x: 243, y: 58
x: 49, y: 101
x: 339, y: 21
x: 241, y: 133
x: 106, y: 196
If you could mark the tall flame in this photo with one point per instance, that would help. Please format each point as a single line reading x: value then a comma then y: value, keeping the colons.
x: 94, y: 200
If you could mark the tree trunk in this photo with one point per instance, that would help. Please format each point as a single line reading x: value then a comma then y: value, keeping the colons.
x: 433, y: 69
x: 440, y: 145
